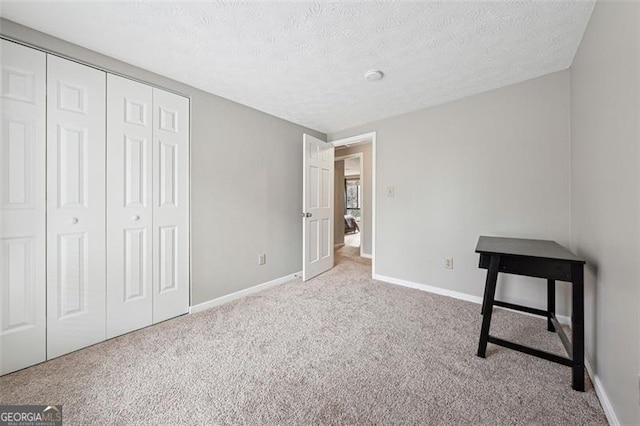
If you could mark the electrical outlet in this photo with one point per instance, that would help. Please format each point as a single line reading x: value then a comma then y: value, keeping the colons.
x: 262, y: 259
x: 448, y: 263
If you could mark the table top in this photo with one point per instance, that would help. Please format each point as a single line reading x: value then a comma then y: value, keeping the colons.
x: 543, y: 249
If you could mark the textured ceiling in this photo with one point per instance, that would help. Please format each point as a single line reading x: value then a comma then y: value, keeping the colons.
x: 305, y: 62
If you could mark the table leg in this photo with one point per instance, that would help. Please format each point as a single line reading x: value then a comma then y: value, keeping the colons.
x: 577, y: 325
x: 489, y: 295
x: 551, y: 302
x: 484, y: 298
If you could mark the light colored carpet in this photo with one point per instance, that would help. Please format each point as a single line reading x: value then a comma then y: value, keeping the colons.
x: 352, y: 240
x: 340, y: 349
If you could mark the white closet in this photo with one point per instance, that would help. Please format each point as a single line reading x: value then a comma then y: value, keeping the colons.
x: 22, y: 218
x: 75, y: 206
x: 129, y: 205
x: 113, y: 195
x: 170, y: 205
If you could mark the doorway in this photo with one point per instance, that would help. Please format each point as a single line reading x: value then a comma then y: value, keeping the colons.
x: 354, y: 190
x: 319, y: 183
x: 349, y: 205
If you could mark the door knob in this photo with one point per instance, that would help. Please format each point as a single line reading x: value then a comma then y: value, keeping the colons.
x: 306, y: 215
x: 74, y: 220
x: 135, y: 217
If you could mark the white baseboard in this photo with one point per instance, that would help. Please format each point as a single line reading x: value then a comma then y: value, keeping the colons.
x: 602, y: 395
x: 338, y: 245
x: 242, y: 293
x: 366, y: 255
x: 562, y: 319
x: 429, y: 288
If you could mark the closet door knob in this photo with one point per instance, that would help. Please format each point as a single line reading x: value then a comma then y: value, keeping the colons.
x: 135, y: 217
x: 74, y: 220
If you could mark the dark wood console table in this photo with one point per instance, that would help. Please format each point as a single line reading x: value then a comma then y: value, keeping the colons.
x: 540, y: 259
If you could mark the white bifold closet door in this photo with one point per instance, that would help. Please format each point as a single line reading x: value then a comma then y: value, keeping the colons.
x: 76, y: 293
x: 129, y: 206
x: 22, y: 209
x: 170, y: 205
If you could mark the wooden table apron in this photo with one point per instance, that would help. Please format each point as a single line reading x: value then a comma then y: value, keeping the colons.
x: 527, y: 257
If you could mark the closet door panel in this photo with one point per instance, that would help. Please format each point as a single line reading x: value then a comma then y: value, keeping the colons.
x: 129, y: 206
x: 75, y: 206
x: 22, y: 207
x: 170, y: 205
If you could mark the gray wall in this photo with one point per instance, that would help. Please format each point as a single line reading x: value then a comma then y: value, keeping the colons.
x: 246, y: 181
x: 366, y: 176
x: 491, y: 164
x: 338, y: 202
x: 605, y: 107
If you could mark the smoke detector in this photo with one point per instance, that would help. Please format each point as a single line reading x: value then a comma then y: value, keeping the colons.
x: 373, y: 75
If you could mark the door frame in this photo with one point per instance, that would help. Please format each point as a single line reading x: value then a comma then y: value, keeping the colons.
x: 360, y: 157
x: 362, y: 139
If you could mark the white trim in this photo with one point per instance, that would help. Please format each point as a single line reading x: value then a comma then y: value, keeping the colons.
x: 365, y: 255
x: 360, y: 157
x: 242, y: 293
x: 562, y: 319
x: 605, y: 402
x: 355, y: 140
x: 373, y: 202
x: 338, y: 245
x: 429, y: 288
x: 190, y: 207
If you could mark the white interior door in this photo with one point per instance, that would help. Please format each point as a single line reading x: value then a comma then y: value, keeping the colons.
x: 317, y: 207
x: 75, y: 206
x: 22, y: 212
x: 170, y: 205
x: 129, y: 207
